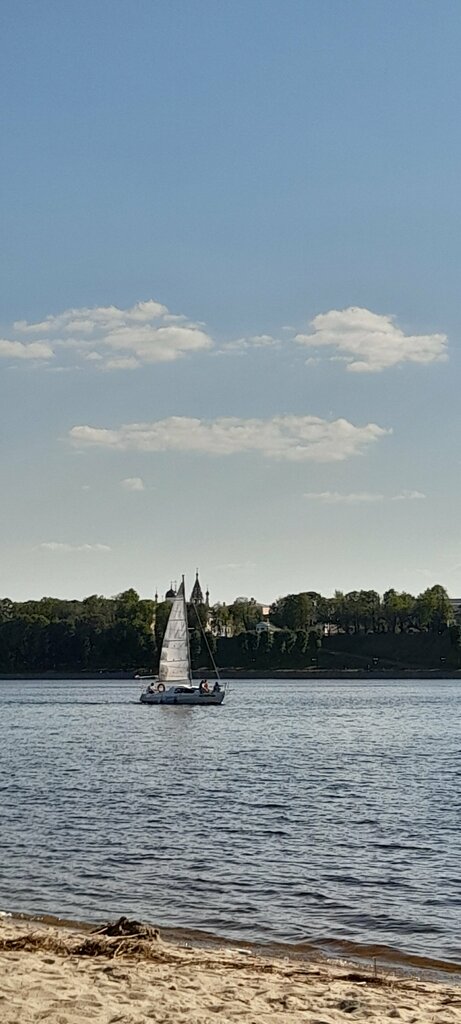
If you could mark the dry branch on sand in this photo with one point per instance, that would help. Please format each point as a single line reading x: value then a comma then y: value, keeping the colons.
x: 119, y: 938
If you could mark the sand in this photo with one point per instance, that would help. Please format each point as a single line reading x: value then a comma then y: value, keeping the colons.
x: 43, y: 978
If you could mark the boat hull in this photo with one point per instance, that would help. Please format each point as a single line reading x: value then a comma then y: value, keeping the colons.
x: 191, y: 699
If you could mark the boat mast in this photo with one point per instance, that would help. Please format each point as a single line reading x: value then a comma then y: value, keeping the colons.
x: 210, y: 652
x: 187, y: 628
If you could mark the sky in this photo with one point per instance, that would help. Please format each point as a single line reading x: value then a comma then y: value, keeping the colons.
x: 230, y: 307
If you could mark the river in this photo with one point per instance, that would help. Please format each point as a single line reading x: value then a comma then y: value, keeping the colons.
x: 323, y: 812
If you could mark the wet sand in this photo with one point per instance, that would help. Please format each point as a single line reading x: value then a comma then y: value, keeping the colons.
x: 67, y: 975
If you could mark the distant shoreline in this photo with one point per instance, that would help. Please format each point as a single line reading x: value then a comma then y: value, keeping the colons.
x: 242, y: 673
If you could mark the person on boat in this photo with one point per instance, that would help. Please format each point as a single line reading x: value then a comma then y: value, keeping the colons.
x: 204, y: 686
x: 216, y: 687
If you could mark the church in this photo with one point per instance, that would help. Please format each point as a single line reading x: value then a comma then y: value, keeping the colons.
x: 196, y: 596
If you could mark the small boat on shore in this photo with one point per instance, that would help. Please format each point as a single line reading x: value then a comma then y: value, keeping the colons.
x: 174, y: 684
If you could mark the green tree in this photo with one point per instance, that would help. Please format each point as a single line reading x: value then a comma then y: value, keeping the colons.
x: 197, y: 615
x: 162, y: 613
x: 265, y: 648
x: 370, y: 607
x: 398, y: 610
x: 195, y: 645
x: 295, y: 611
x: 434, y: 610
x: 132, y: 635
x: 244, y: 614
x: 220, y: 618
x: 7, y: 609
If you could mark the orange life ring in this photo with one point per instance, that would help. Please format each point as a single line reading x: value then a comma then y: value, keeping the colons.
x: 161, y: 688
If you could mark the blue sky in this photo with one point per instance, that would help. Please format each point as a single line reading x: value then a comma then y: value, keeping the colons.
x: 236, y: 225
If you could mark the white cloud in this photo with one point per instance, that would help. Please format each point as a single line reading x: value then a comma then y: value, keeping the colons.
x: 63, y: 369
x: 53, y: 545
x: 148, y: 344
x: 252, y: 342
x: 297, y: 438
x: 370, y: 342
x: 113, y: 338
x: 133, y: 483
x: 408, y: 496
x: 360, y: 497
x: 87, y: 320
x: 122, y: 363
x: 19, y: 350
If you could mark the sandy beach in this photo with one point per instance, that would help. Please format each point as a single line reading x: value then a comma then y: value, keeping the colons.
x: 64, y: 976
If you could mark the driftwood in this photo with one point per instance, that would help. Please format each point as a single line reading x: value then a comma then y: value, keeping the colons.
x: 126, y: 927
x: 120, y: 938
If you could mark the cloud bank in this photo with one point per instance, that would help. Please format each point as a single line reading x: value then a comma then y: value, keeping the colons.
x: 111, y: 338
x: 296, y: 438
x: 370, y: 342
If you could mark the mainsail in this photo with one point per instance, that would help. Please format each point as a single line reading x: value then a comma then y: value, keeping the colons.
x: 175, y: 657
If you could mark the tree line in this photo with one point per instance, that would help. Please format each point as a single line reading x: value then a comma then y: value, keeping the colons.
x: 362, y: 611
x: 125, y: 632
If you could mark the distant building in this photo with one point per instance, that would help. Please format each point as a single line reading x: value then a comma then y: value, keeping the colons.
x: 266, y: 627
x: 331, y: 629
x: 170, y: 594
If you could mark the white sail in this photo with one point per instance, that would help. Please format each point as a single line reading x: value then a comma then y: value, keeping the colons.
x: 174, y: 657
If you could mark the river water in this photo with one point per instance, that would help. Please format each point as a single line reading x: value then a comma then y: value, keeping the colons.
x: 301, y: 812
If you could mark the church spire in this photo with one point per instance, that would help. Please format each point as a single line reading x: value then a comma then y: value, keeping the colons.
x: 196, y: 596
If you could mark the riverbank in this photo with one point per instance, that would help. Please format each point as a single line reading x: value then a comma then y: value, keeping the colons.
x: 247, y: 673
x: 323, y: 673
x: 67, y: 974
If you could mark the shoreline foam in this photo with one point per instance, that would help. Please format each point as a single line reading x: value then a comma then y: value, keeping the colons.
x: 65, y: 974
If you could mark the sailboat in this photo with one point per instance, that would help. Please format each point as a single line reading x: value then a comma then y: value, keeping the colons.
x: 174, y: 683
